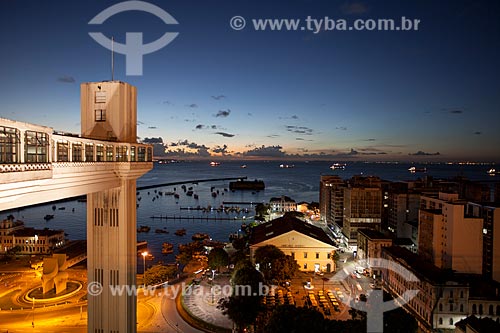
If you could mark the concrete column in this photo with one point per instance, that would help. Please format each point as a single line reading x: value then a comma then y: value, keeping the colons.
x: 112, y: 258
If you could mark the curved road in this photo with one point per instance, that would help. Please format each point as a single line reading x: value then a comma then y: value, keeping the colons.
x: 156, y: 313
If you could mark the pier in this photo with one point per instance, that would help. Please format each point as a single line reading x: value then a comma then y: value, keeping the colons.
x: 146, y: 187
x: 192, y: 218
x: 251, y: 203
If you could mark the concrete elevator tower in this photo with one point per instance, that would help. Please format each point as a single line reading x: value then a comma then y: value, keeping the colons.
x: 109, y: 113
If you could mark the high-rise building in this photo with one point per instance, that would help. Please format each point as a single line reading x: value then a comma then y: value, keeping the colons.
x: 447, y: 236
x: 490, y: 214
x: 362, y: 206
x: 331, y: 198
x: 403, y: 214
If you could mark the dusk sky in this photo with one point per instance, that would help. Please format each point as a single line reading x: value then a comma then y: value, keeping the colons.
x: 426, y: 95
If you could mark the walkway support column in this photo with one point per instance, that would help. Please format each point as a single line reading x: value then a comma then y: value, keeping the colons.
x: 108, y: 111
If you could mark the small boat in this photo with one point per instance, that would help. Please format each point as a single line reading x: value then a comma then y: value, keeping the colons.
x: 48, y: 217
x: 338, y: 166
x: 143, y: 228
x: 493, y: 172
x: 161, y: 231
x: 62, y: 208
x: 213, y: 164
x: 167, y: 248
x: 180, y: 232
x: 199, y: 236
x: 244, y: 166
x: 415, y: 169
x: 287, y: 166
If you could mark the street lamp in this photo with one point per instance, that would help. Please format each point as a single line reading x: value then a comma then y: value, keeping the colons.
x: 144, y: 254
x: 33, y: 321
x: 324, y: 279
x: 213, y: 282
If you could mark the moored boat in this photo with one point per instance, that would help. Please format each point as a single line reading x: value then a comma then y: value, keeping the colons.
x: 180, y: 232
x: 167, y: 248
x: 143, y: 228
x: 247, y: 185
x: 200, y: 236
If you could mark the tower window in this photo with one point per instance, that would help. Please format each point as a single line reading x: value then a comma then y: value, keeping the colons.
x: 100, y: 97
x: 100, y: 115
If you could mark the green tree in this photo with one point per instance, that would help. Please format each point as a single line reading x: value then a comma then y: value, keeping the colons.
x: 159, y: 274
x: 274, y: 264
x: 288, y: 318
x: 261, y: 212
x: 15, y: 250
x: 183, y: 258
x: 283, y: 268
x: 335, y: 259
x: 217, y: 258
x: 240, y: 243
x: 264, y: 255
x: 243, y: 308
x: 238, y: 256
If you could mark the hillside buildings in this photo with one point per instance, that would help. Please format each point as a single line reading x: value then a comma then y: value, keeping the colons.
x: 15, y: 236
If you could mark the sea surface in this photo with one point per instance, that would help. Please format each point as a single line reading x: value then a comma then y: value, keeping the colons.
x: 300, y: 182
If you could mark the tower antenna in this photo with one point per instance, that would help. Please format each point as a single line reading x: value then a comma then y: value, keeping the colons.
x: 112, y: 59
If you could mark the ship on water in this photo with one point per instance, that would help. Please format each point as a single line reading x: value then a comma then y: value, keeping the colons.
x: 254, y: 185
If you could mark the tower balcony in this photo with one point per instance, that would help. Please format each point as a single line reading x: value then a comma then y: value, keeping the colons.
x: 39, y: 165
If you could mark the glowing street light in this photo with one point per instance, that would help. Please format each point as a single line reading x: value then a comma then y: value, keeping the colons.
x: 33, y: 321
x: 144, y: 255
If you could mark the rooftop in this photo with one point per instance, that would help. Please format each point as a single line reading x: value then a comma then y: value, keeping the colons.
x: 479, y: 325
x: 286, y: 224
x: 374, y: 234
x: 432, y: 211
x: 31, y: 232
x: 283, y: 197
x: 480, y: 287
x: 421, y: 268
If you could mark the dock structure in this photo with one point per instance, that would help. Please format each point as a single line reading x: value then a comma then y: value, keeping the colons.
x: 147, y: 187
x: 194, y: 218
x: 249, y: 203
